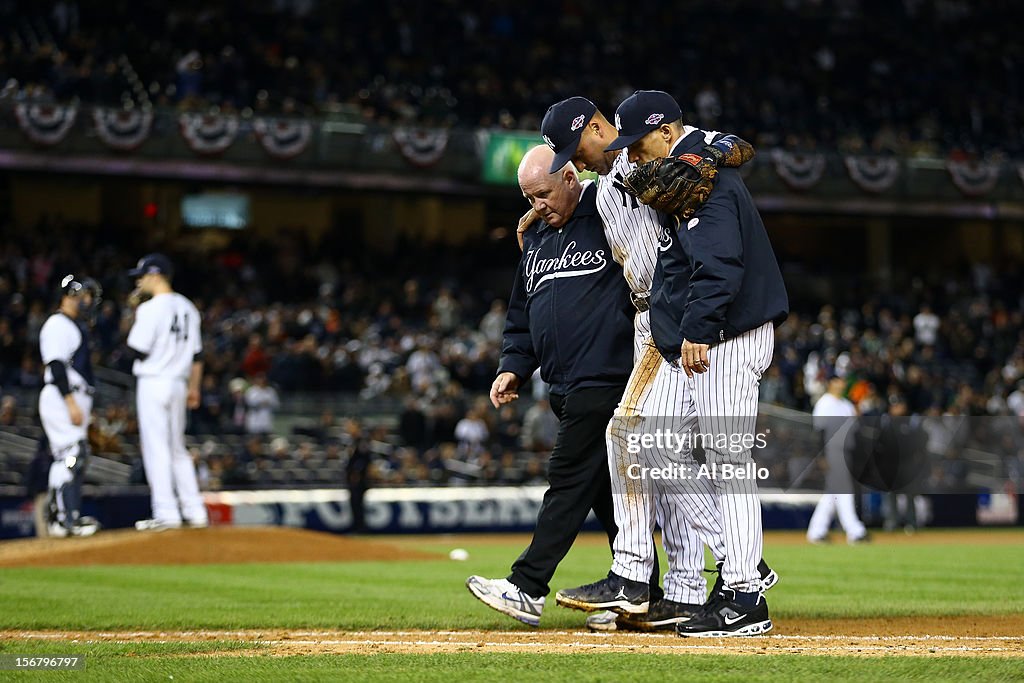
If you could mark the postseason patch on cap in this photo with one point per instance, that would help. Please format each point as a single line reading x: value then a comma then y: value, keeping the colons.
x: 577, y: 123
x: 654, y: 119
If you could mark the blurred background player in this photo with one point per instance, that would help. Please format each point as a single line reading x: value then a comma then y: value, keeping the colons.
x: 165, y: 338
x: 834, y: 417
x: 65, y: 403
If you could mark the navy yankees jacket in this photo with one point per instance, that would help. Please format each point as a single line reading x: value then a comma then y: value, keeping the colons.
x: 716, y: 275
x: 569, y: 312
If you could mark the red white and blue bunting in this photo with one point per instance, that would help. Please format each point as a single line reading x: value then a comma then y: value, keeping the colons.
x: 45, y: 124
x: 421, y: 146
x: 799, y: 171
x: 873, y: 174
x: 122, y: 129
x: 283, y: 138
x: 208, y: 134
x: 973, y: 178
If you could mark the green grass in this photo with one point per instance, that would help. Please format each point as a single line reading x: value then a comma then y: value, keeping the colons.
x: 200, y: 662
x: 831, y: 581
x: 882, y: 580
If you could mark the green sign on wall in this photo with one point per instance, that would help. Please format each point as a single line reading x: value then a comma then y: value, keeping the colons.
x: 504, y: 151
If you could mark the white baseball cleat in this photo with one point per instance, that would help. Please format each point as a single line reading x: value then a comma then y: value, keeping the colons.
x: 603, y: 621
x: 56, y: 530
x: 155, y: 525
x: 86, y: 526
x: 501, y: 595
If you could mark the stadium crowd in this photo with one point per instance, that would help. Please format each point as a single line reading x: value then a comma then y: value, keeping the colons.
x: 888, y: 76
x: 425, y: 349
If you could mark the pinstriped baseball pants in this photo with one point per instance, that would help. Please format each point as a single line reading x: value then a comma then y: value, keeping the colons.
x: 725, y: 401
x: 656, y: 396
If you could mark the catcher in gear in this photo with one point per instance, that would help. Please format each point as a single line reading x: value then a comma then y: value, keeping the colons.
x: 65, y: 402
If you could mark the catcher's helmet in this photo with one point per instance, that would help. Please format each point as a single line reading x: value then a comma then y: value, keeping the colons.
x: 72, y: 286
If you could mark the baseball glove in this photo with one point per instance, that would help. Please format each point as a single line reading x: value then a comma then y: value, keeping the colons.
x: 681, y: 185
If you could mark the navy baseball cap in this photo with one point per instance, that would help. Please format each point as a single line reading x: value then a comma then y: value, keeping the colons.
x: 152, y: 263
x: 563, y: 125
x: 640, y: 113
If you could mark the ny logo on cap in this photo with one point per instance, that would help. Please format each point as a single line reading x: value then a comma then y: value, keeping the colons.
x: 618, y: 122
x: 548, y: 140
x: 578, y: 122
x: 654, y: 119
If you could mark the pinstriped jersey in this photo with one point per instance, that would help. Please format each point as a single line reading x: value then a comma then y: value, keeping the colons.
x: 631, y: 228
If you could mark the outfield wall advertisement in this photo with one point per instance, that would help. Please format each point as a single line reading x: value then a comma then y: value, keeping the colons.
x: 438, y: 510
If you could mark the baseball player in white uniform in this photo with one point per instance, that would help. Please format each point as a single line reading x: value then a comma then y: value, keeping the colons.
x: 578, y: 132
x: 65, y: 403
x: 834, y: 417
x: 166, y: 340
x: 717, y: 291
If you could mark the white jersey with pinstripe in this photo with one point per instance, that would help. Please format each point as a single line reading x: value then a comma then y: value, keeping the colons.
x: 632, y: 231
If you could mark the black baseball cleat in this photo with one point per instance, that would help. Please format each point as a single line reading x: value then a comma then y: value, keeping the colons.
x: 662, y: 616
x: 612, y: 593
x: 729, y: 613
x: 768, y: 577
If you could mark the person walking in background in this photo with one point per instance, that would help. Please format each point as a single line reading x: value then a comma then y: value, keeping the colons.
x: 834, y: 417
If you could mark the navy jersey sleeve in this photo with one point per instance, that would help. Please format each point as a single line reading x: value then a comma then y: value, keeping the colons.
x: 517, y: 353
x: 715, y: 246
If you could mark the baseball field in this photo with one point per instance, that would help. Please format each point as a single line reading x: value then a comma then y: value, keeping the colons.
x: 283, y: 604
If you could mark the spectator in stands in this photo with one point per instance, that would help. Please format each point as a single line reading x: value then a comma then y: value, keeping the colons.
x: 261, y: 401
x: 1015, y: 401
x: 206, y: 419
x: 926, y: 326
x: 471, y: 433
x: 8, y: 411
x: 11, y: 351
x: 255, y: 362
x: 493, y: 324
x: 235, y: 409
x: 540, y: 427
x: 412, y: 424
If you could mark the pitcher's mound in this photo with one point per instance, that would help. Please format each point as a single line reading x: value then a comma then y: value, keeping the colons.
x: 199, y: 546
